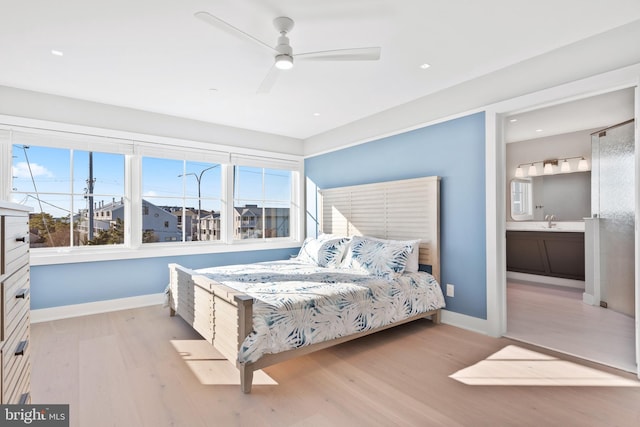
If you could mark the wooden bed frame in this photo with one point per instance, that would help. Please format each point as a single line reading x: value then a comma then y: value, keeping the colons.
x: 399, y: 210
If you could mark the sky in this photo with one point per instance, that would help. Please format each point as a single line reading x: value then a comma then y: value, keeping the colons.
x: 61, y: 177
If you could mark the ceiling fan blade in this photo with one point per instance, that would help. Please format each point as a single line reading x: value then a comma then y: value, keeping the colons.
x: 269, y: 80
x: 219, y: 23
x: 355, y: 54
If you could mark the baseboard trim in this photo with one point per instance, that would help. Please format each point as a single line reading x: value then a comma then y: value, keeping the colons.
x: 97, y: 307
x: 589, y: 299
x: 463, y: 321
x: 547, y: 280
x: 76, y: 310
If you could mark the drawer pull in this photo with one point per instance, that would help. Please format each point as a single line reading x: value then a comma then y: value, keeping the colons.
x: 21, y: 239
x: 24, y: 399
x: 21, y: 347
x: 22, y: 293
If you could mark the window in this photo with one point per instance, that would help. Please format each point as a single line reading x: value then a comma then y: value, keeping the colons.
x: 262, y: 203
x: 88, y: 190
x: 183, y: 195
x: 521, y: 199
x: 70, y: 192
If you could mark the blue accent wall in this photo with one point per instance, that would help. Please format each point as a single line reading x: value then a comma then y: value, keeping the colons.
x: 453, y: 150
x: 66, y: 284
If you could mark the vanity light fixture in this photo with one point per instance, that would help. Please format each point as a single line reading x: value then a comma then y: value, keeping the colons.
x: 548, y: 166
x: 583, y: 165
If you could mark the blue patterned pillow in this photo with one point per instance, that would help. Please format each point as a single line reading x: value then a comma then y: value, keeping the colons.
x: 413, y: 246
x: 376, y: 257
x: 325, y: 251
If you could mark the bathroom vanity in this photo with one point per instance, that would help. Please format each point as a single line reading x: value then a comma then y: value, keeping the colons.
x: 533, y: 247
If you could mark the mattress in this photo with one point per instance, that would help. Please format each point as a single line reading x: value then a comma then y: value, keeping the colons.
x: 298, y: 304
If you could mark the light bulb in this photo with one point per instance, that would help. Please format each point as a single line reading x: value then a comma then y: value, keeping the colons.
x: 548, y: 169
x: 533, y: 171
x: 519, y: 172
x: 565, y: 167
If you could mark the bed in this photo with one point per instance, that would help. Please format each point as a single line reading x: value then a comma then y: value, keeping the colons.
x: 364, y: 273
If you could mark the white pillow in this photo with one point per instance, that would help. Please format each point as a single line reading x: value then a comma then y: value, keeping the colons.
x: 376, y: 257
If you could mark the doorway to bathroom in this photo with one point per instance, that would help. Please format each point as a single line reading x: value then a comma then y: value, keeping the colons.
x: 571, y: 278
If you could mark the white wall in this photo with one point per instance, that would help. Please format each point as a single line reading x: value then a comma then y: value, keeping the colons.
x: 35, y: 105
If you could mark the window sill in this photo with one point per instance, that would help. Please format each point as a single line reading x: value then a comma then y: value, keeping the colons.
x: 95, y: 254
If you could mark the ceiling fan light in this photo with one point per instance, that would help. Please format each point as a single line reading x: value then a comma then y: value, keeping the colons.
x: 284, y: 62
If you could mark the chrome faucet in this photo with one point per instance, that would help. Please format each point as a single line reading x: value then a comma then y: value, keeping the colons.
x: 549, y: 218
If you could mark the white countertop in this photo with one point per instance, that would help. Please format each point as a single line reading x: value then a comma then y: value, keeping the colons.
x: 557, y: 226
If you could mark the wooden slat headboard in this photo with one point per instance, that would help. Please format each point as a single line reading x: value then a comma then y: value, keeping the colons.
x: 399, y: 210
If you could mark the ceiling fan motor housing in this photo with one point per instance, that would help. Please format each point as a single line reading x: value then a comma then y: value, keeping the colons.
x: 284, y: 48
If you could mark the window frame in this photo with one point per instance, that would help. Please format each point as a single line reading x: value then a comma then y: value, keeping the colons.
x: 136, y: 146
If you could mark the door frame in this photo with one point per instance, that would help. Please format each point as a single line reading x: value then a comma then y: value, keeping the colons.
x: 628, y: 77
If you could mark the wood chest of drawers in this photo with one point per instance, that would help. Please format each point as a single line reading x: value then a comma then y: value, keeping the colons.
x: 15, y: 366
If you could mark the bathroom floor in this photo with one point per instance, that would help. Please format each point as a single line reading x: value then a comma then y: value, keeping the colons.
x: 556, y: 318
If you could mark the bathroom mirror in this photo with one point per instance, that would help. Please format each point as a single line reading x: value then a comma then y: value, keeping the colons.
x: 567, y: 196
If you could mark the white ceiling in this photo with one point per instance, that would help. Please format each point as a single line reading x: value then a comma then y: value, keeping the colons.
x: 155, y: 56
x: 600, y: 111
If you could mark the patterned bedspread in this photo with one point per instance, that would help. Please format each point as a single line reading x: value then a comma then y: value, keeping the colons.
x: 299, y: 304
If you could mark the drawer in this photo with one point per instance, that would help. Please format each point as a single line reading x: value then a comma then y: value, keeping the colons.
x: 15, y: 243
x: 16, y: 364
x: 16, y: 302
x: 17, y: 393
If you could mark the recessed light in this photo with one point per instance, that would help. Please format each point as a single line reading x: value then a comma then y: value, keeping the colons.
x: 316, y: 114
x: 57, y: 52
x: 425, y: 66
x: 513, y: 120
x: 538, y: 130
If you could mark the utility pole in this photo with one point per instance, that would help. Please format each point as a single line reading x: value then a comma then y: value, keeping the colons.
x: 90, y: 182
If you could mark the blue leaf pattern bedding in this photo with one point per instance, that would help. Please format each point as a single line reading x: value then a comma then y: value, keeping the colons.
x: 297, y: 304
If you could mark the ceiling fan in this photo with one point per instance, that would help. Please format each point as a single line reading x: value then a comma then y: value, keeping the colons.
x: 283, y: 53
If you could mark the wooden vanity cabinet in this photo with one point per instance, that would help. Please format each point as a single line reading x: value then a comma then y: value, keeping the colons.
x: 546, y: 253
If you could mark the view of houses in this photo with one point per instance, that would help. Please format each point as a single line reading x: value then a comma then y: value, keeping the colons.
x: 103, y: 224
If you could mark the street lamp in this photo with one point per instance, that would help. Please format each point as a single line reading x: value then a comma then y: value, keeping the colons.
x: 199, y: 179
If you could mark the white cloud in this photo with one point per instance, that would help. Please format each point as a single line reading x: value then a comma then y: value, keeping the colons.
x: 150, y: 194
x: 21, y: 170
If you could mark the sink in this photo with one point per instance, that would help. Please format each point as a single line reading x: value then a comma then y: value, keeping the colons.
x: 557, y: 226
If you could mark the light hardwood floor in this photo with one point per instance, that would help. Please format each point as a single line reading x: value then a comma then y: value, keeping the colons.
x: 121, y: 369
x: 556, y: 318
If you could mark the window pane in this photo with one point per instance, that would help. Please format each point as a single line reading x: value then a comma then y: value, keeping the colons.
x: 71, y: 192
x: 100, y: 178
x: 181, y: 200
x: 277, y: 185
x: 262, y: 201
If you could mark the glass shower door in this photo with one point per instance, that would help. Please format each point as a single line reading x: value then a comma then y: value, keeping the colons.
x: 613, y: 177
